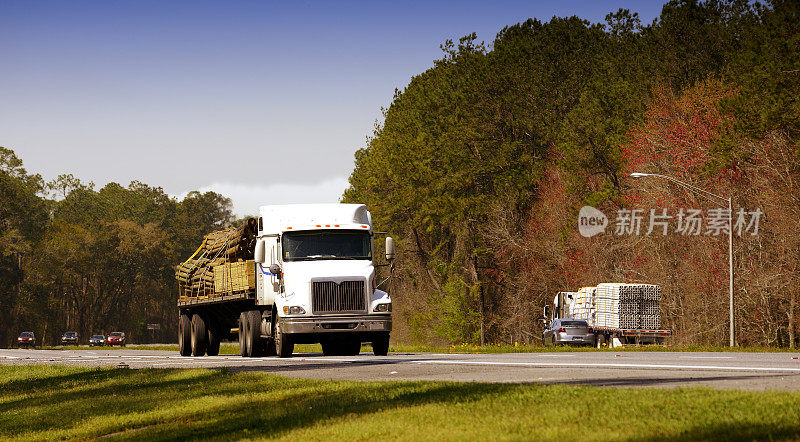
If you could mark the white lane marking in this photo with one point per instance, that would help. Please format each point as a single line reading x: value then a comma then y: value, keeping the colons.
x: 705, y: 357
x: 574, y: 364
x: 558, y: 356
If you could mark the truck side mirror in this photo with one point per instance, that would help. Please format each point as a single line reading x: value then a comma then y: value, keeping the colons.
x: 275, y: 269
x: 389, y: 248
x: 260, y: 254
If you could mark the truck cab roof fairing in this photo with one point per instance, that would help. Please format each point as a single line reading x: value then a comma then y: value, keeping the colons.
x: 278, y: 217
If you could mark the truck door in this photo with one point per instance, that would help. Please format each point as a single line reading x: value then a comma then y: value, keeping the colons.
x: 269, y: 285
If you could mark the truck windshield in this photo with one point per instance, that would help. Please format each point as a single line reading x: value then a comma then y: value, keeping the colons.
x: 305, y: 246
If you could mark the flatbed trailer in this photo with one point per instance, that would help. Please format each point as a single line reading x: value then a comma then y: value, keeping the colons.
x: 618, y: 337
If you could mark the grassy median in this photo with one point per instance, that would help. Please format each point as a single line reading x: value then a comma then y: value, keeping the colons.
x: 48, y: 402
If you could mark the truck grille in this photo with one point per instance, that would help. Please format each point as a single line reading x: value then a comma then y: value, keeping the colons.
x: 345, y: 297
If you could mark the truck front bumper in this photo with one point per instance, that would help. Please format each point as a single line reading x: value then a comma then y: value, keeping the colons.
x: 337, y: 324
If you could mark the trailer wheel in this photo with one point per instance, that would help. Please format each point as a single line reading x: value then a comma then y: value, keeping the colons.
x: 253, y: 333
x: 380, y: 346
x: 184, y: 335
x: 283, y: 343
x: 601, y: 340
x: 243, y: 334
x: 199, y: 332
x: 214, y: 337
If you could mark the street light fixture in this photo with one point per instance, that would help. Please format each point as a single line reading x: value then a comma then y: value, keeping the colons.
x: 716, y: 199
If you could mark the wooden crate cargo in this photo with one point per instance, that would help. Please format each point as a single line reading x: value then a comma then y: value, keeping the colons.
x: 232, y: 247
x: 234, y: 277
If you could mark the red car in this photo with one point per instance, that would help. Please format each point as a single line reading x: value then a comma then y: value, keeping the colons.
x: 26, y: 339
x: 116, y: 338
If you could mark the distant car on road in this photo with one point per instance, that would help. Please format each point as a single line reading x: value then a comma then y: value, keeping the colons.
x: 568, y: 331
x: 26, y: 339
x: 97, y: 341
x: 69, y: 338
x: 116, y: 338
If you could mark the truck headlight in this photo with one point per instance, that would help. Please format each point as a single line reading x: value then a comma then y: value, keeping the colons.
x: 383, y: 308
x: 294, y: 310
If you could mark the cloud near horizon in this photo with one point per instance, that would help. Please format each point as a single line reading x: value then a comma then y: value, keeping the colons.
x: 247, y: 198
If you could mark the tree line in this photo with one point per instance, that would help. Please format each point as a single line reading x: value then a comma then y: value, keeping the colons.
x: 77, y: 258
x: 483, y: 161
x: 479, y: 171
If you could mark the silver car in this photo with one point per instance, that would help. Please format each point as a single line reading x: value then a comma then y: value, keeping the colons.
x: 568, y: 331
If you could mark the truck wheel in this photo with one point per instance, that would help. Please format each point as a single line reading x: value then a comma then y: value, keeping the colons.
x: 283, y: 343
x: 243, y: 335
x: 214, y: 337
x: 184, y: 335
x: 253, y: 333
x: 380, y: 346
x: 268, y: 345
x: 198, y: 335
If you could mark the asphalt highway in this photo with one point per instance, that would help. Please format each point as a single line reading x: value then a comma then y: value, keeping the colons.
x: 745, y: 371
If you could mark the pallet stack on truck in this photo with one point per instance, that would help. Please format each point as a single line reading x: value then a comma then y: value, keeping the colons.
x: 619, y: 313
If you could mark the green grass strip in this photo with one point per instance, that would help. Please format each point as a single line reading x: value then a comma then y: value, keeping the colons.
x: 50, y: 402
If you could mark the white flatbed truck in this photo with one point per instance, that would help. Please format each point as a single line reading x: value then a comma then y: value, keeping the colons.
x: 607, y: 336
x: 315, y: 283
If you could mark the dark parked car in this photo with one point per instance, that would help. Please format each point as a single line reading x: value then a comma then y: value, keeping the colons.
x: 568, y: 331
x: 97, y: 341
x: 26, y: 339
x: 69, y: 338
x: 116, y: 338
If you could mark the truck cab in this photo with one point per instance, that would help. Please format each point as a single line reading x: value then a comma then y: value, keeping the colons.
x: 316, y: 277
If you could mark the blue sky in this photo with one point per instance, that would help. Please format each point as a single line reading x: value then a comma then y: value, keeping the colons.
x: 263, y: 101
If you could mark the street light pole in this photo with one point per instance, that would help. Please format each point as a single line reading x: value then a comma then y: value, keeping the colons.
x: 730, y: 268
x: 718, y: 200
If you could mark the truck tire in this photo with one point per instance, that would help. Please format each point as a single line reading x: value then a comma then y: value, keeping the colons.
x: 284, y: 347
x: 243, y: 334
x: 380, y: 346
x: 184, y: 335
x: 268, y: 345
x: 214, y: 337
x: 199, y: 332
x: 253, y: 333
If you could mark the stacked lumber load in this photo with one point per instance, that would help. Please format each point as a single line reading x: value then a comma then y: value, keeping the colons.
x: 233, y: 277
x: 628, y: 306
x: 195, y: 276
x: 583, y: 304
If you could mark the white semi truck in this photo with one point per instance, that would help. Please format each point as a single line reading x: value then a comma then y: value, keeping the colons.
x: 618, y: 313
x: 311, y: 280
